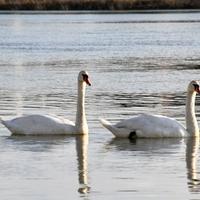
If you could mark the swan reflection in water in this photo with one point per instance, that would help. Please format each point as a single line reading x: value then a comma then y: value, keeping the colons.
x: 82, y: 150
x: 192, y: 150
x: 156, y: 145
x: 48, y: 142
x: 145, y: 145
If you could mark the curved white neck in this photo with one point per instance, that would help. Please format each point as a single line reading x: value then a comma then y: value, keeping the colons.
x: 81, y: 122
x: 191, y: 121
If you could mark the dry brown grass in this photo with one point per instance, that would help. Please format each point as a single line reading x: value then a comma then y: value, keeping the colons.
x: 96, y: 4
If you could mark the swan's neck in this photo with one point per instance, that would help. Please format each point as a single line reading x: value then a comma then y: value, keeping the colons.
x: 81, y: 122
x: 191, y: 120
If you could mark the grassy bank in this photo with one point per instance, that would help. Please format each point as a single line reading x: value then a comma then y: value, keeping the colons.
x: 97, y: 4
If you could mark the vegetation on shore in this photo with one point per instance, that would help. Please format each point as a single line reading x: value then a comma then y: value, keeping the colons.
x: 97, y: 4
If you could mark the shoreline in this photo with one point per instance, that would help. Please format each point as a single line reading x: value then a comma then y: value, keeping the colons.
x: 62, y: 12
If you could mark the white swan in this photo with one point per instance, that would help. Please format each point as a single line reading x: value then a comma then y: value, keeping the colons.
x: 46, y: 124
x: 152, y: 126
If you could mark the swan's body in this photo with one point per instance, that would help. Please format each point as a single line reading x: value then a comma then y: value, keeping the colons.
x: 40, y: 124
x: 47, y: 124
x: 152, y: 126
x: 145, y: 125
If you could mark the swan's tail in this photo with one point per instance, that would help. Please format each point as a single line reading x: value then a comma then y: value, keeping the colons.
x: 4, y: 122
x: 1, y: 120
x: 109, y: 126
x: 122, y: 132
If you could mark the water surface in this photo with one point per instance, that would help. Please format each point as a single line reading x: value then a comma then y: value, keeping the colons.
x: 137, y: 63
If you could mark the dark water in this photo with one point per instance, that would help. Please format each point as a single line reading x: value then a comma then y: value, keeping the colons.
x: 137, y: 63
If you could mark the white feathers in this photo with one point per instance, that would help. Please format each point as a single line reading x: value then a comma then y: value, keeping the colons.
x: 158, y: 126
x: 47, y: 124
x: 145, y: 125
x: 40, y: 124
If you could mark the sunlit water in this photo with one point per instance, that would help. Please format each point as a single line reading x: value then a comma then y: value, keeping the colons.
x: 137, y: 63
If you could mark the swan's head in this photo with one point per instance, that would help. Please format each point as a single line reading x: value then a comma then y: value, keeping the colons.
x: 84, y: 77
x: 194, y: 87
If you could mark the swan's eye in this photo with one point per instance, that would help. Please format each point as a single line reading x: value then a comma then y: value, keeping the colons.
x: 86, y: 79
x: 85, y: 76
x: 196, y: 87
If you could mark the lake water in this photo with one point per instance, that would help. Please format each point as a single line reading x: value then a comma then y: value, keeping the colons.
x: 137, y: 63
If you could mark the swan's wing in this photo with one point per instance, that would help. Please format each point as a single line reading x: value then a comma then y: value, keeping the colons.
x: 153, y: 126
x: 39, y: 124
x: 60, y: 119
